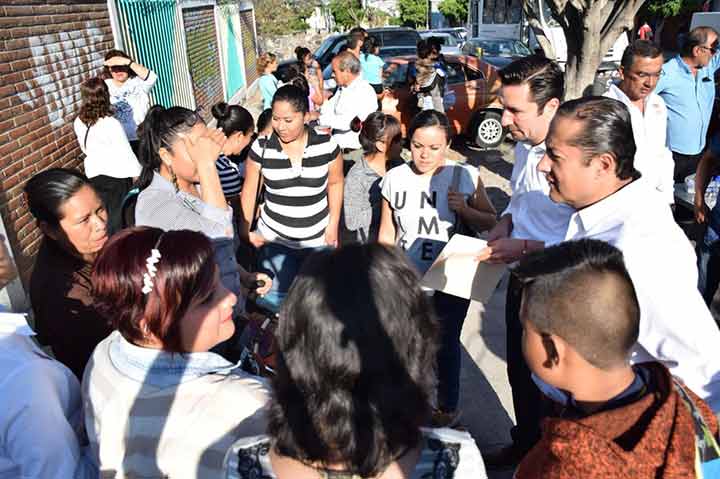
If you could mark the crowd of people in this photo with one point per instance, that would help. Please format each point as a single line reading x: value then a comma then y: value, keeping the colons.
x: 158, y: 260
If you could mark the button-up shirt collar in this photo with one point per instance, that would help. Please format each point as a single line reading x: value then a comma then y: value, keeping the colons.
x: 357, y: 99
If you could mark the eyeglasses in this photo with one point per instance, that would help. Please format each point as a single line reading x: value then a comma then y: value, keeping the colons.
x: 645, y: 75
x: 712, y: 50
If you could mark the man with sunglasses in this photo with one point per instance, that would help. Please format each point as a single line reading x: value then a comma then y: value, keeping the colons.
x: 688, y: 88
x: 640, y: 70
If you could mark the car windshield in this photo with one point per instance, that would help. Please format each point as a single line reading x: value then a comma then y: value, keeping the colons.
x: 389, y: 52
x: 502, y: 48
x: 391, y: 39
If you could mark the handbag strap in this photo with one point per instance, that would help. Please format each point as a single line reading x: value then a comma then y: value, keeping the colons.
x: 455, y: 186
x: 87, y: 131
x: 706, y: 444
x: 258, y: 190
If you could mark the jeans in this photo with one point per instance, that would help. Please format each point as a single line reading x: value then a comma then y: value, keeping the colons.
x: 451, y: 312
x: 282, y: 264
x: 708, y: 252
x: 525, y: 393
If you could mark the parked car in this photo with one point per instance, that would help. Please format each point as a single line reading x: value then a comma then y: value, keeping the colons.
x: 496, y: 51
x: 386, y: 36
x: 450, y: 44
x: 471, y: 101
x: 458, y: 32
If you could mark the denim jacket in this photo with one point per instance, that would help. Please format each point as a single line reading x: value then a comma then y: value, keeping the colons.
x: 161, y: 368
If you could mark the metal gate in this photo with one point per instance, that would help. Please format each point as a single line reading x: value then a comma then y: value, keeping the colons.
x: 152, y: 32
x: 247, y: 22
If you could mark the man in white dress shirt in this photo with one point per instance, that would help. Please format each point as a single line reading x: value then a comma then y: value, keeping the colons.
x: 640, y: 70
x: 354, y: 100
x: 589, y: 165
x: 531, y: 91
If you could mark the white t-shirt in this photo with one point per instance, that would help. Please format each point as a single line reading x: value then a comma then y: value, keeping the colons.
x: 131, y: 101
x: 423, y: 219
x: 107, y: 150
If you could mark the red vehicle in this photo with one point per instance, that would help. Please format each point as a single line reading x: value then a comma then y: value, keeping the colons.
x: 471, y: 101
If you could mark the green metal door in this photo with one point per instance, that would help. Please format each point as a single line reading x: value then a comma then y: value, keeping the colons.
x: 152, y: 33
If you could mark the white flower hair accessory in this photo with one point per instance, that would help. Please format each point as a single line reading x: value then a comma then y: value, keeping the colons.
x: 150, y: 263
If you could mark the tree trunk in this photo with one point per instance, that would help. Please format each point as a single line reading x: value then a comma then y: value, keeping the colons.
x: 583, y: 57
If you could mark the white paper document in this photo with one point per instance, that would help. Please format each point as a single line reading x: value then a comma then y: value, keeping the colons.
x: 457, y: 272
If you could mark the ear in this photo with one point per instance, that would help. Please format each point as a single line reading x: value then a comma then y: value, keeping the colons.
x: 306, y: 118
x: 165, y: 156
x: 551, y: 107
x: 604, y: 164
x: 552, y: 351
x: 621, y: 73
x: 381, y: 146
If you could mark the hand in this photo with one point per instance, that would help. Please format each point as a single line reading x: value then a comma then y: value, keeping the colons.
x: 117, y: 62
x: 500, y: 231
x: 504, y: 250
x: 206, y: 149
x: 331, y: 236
x: 256, y: 240
x: 249, y: 283
x: 701, y: 211
x: 456, y: 201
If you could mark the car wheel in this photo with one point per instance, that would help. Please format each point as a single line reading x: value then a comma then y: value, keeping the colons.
x: 489, y: 131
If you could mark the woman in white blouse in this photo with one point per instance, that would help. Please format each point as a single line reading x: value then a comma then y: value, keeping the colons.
x: 110, y: 163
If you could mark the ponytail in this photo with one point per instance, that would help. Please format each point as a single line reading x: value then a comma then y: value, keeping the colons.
x: 233, y: 118
x: 159, y: 130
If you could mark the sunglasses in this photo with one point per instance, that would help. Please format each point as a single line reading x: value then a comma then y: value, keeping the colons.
x: 120, y: 69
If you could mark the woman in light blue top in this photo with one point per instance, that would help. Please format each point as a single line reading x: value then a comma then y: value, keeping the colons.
x: 268, y: 84
x: 372, y: 64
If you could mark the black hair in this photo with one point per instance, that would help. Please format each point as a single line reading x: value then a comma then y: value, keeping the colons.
x: 233, y: 118
x: 582, y: 292
x: 639, y: 48
x: 353, y: 41
x: 423, y: 49
x: 606, y: 129
x: 358, y: 31
x: 117, y: 53
x: 695, y: 38
x: 371, y: 44
x: 264, y: 119
x: 355, y: 371
x: 299, y: 81
x: 159, y: 130
x: 48, y: 191
x: 376, y: 127
x: 427, y: 118
x: 293, y: 95
x: 544, y: 78
x: 435, y: 43
x: 301, y: 53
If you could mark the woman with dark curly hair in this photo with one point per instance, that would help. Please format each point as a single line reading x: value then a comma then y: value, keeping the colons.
x: 354, y: 379
x: 110, y: 163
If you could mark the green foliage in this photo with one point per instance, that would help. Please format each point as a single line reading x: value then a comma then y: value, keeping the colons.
x: 413, y: 12
x: 670, y: 8
x: 347, y: 13
x: 279, y: 17
x: 456, y: 11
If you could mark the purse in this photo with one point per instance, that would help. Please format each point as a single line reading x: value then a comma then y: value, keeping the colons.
x: 259, y: 346
x: 246, y: 253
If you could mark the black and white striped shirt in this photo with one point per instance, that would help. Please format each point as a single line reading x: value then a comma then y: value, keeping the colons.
x: 231, y: 176
x: 296, y: 211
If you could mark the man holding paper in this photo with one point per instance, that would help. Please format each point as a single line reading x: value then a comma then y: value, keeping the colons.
x: 531, y: 91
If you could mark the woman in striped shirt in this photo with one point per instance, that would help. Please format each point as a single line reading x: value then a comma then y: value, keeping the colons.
x: 303, y: 178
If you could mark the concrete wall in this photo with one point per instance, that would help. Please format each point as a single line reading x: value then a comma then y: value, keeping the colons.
x: 47, y: 49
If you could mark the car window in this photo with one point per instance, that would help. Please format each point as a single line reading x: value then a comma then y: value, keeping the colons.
x: 521, y: 49
x: 455, y: 73
x: 473, y: 74
x: 395, y: 73
x: 391, y: 39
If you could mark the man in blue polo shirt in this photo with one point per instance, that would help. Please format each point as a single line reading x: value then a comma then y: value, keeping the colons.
x: 688, y: 88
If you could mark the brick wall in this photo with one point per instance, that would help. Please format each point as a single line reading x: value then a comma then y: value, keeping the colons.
x: 203, y: 57
x: 47, y: 49
x: 249, y: 46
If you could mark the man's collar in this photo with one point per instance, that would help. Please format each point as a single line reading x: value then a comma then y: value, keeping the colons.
x: 612, y: 206
x: 620, y: 95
